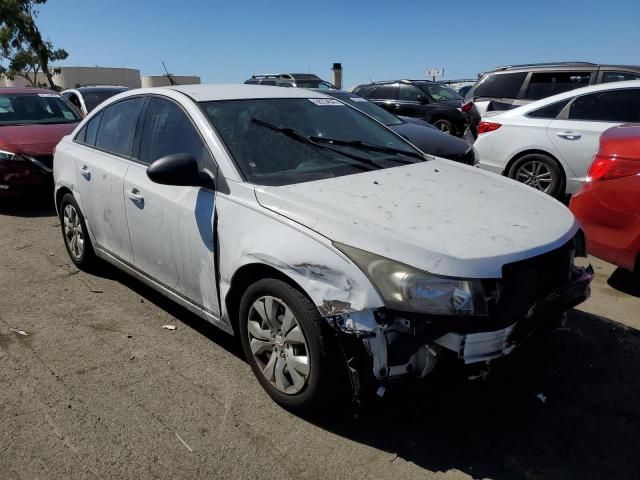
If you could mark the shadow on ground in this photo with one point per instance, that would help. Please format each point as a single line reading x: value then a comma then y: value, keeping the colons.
x: 28, y: 207
x: 568, y: 408
x: 626, y: 282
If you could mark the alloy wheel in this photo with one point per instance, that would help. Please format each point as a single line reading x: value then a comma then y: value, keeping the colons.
x: 73, y: 231
x: 535, y: 174
x: 278, y: 344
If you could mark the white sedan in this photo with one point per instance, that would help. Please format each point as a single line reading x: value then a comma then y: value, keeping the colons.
x: 341, y: 255
x: 549, y: 144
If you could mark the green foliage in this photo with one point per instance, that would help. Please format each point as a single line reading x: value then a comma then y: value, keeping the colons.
x: 23, y: 51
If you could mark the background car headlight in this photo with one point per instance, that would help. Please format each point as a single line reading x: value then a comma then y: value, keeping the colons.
x: 4, y: 156
x: 408, y: 289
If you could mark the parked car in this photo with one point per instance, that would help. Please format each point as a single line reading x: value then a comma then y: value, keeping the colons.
x: 462, y: 91
x: 549, y: 144
x: 296, y: 80
x: 608, y: 204
x: 509, y: 87
x: 86, y: 99
x: 432, y: 102
x: 422, y: 134
x: 32, y: 122
x: 315, y: 233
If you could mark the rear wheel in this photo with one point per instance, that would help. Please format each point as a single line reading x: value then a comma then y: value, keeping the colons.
x: 288, y: 346
x: 539, y: 171
x: 74, y: 232
x: 444, y: 125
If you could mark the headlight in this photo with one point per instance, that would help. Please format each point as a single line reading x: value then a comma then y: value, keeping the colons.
x: 8, y: 156
x: 408, y: 289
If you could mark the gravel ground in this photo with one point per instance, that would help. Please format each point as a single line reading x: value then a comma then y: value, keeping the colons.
x: 98, y: 389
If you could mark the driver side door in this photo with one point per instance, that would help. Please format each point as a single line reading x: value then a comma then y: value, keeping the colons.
x: 172, y: 227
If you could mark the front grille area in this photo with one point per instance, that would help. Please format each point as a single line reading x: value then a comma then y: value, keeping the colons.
x: 528, y: 281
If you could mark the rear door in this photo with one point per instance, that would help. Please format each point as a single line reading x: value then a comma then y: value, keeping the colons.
x: 102, y: 159
x: 386, y: 96
x: 576, y: 132
x: 409, y: 101
x: 171, y: 227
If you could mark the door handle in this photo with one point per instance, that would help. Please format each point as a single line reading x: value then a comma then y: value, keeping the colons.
x: 84, y: 171
x: 569, y: 135
x: 134, y: 194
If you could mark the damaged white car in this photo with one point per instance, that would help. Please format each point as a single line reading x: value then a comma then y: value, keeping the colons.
x: 330, y: 245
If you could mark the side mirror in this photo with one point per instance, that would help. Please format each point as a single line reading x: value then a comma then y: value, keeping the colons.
x: 179, y: 169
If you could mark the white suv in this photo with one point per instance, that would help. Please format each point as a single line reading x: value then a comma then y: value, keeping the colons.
x: 340, y: 254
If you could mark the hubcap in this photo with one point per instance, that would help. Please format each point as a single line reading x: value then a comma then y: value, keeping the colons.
x: 278, y: 345
x: 535, y: 174
x: 73, y: 231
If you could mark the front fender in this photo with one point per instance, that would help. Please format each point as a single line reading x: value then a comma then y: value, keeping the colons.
x: 249, y: 235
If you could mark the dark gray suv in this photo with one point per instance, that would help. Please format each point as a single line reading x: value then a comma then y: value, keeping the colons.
x: 511, y: 86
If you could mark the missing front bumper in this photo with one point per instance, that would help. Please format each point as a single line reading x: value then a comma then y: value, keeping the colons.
x: 380, y: 345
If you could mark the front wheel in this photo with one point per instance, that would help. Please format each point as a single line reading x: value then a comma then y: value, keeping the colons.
x: 288, y: 345
x: 539, y: 171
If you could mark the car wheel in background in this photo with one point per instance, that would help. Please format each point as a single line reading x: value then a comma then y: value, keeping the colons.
x: 74, y: 232
x: 539, y: 171
x: 287, y: 344
x: 444, y: 125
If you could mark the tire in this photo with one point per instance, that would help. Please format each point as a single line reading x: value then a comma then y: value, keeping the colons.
x: 73, y: 227
x: 444, y: 126
x: 281, y: 355
x: 541, y: 172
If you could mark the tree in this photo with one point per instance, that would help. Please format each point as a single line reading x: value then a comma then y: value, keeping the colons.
x: 22, y: 47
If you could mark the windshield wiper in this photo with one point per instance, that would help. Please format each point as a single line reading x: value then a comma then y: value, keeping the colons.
x: 301, y: 137
x: 370, y: 146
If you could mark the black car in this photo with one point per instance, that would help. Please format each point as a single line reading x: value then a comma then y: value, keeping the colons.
x: 432, y: 102
x: 423, y: 135
x: 299, y: 80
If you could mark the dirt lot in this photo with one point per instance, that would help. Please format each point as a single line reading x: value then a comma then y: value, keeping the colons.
x: 99, y: 390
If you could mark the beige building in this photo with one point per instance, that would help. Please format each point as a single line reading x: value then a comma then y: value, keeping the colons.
x: 70, y: 77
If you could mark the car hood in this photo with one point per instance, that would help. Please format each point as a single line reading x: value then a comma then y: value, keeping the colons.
x: 431, y: 140
x: 438, y: 216
x: 34, y: 139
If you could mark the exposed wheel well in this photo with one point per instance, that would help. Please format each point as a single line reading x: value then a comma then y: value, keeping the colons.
x: 540, y: 152
x: 59, y: 194
x: 242, y: 279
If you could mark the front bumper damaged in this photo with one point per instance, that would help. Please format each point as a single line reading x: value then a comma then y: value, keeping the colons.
x: 381, y: 345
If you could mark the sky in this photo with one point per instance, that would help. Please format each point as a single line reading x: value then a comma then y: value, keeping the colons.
x: 227, y: 41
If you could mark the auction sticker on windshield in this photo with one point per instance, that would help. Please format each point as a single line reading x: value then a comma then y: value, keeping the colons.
x: 325, y: 101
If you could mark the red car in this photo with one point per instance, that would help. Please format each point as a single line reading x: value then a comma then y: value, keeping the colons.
x: 608, y: 204
x: 32, y: 122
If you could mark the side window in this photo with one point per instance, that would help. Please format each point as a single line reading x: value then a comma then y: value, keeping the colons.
x: 546, y: 84
x: 168, y: 130
x: 500, y: 85
x: 387, y: 92
x: 410, y: 93
x: 613, y: 106
x: 87, y: 135
x: 619, y: 76
x: 367, y: 92
x: 550, y: 111
x: 118, y: 126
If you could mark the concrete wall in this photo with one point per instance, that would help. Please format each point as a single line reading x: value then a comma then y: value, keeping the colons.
x: 163, y: 81
x: 70, y: 77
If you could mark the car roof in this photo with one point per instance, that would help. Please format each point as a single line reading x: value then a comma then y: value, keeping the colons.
x: 205, y: 93
x: 22, y: 90
x: 560, y: 65
x: 569, y: 94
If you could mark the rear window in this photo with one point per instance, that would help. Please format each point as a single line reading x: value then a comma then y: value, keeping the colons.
x: 546, y: 84
x: 608, y: 77
x: 550, y: 111
x: 500, y: 85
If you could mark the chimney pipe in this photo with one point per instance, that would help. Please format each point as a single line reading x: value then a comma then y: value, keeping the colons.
x: 337, y: 74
